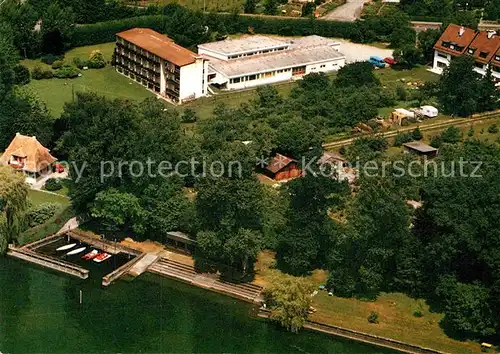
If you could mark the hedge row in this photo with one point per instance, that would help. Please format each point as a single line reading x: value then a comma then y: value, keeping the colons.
x: 103, y: 32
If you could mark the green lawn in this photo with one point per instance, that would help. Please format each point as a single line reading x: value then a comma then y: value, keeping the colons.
x: 197, y: 5
x: 390, y: 77
x: 106, y: 81
x: 39, y: 197
x: 396, y: 320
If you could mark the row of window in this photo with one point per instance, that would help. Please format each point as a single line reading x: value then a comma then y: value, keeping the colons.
x: 140, y: 79
x: 299, y: 70
x: 236, y: 56
x: 146, y: 63
x: 258, y: 76
x: 478, y: 65
x: 137, y: 67
x: 471, y: 50
x: 453, y: 46
x: 138, y: 51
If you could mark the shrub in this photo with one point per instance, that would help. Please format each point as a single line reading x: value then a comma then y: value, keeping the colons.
x: 49, y: 59
x: 80, y: 63
x: 436, y: 141
x: 373, y: 318
x: 96, y: 60
x: 402, y: 138
x: 470, y: 133
x: 418, y: 314
x: 48, y: 74
x: 21, y: 75
x: 189, y: 116
x: 38, y: 73
x: 417, y: 134
x: 43, y: 212
x: 67, y: 72
x: 451, y: 135
x: 493, y: 129
x: 401, y: 93
x: 53, y: 184
x: 57, y: 64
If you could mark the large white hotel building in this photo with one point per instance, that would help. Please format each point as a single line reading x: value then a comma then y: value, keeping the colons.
x: 180, y: 75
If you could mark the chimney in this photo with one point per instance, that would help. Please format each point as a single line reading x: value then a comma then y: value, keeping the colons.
x: 17, y: 134
x: 491, y: 34
x: 461, y: 31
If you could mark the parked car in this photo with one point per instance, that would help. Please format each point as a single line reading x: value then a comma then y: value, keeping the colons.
x: 377, y: 61
x: 390, y: 61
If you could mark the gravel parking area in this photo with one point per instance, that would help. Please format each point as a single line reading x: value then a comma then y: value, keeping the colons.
x: 361, y: 52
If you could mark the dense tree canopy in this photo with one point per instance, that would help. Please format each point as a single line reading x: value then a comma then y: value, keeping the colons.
x: 462, y: 91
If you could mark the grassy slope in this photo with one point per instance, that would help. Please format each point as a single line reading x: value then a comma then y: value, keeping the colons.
x: 107, y: 82
x: 39, y: 197
x: 210, y: 5
x: 395, y: 310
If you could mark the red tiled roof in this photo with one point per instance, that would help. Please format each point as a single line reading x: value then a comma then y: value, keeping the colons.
x: 453, y: 37
x: 159, y: 45
x: 279, y: 162
x: 485, y: 45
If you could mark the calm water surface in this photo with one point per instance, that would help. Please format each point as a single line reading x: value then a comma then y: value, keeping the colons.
x: 40, y: 312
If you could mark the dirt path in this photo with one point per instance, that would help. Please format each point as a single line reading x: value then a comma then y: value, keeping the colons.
x: 350, y: 11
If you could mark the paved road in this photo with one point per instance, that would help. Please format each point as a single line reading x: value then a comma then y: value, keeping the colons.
x: 350, y: 11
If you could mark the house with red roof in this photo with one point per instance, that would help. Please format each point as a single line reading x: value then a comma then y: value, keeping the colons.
x: 282, y: 168
x: 453, y: 43
x: 483, y: 47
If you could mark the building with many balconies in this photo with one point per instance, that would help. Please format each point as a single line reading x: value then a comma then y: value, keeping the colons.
x: 156, y: 62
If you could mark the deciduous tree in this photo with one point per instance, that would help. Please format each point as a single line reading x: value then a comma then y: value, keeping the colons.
x: 289, y: 299
x: 13, y: 204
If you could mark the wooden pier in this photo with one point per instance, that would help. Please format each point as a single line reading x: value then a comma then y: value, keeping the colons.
x: 186, y: 273
x: 48, y: 262
x: 105, y: 245
x: 43, y: 242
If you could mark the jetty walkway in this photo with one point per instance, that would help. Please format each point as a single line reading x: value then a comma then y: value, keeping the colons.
x: 176, y: 270
x: 28, y: 255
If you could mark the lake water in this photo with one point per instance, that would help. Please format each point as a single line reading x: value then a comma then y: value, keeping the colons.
x: 40, y: 312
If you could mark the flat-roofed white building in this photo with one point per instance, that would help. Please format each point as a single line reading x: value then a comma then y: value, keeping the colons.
x: 260, y: 60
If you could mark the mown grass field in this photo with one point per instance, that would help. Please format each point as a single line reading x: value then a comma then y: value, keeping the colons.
x: 39, y: 197
x: 396, y: 313
x: 197, y: 5
x: 107, y: 82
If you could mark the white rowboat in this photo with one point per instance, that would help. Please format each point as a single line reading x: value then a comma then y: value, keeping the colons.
x: 66, y: 247
x: 78, y: 250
